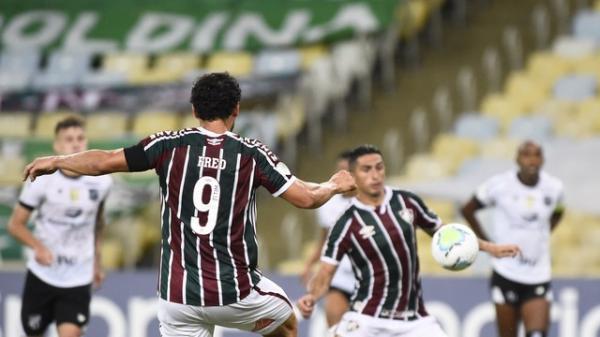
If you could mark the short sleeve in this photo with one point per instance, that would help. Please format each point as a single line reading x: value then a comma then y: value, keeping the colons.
x: 338, y: 241
x: 326, y: 215
x: 270, y: 172
x: 146, y: 154
x: 422, y: 215
x: 486, y: 192
x: 32, y: 194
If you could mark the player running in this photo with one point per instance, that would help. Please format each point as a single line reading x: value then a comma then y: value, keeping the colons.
x: 377, y: 233
x: 65, y: 244
x: 528, y: 205
x: 208, y: 177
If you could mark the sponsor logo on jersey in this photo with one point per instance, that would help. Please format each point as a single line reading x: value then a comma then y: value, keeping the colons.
x: 74, y: 194
x: 94, y: 194
x: 367, y: 232
x: 283, y: 169
x: 73, y: 212
x: 214, y: 141
x: 352, y: 326
x: 407, y: 215
x: 548, y: 200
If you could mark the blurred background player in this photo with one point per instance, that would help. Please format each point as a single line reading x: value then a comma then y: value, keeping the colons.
x: 527, y: 207
x: 65, y: 242
x: 337, y: 300
x: 208, y: 176
x: 378, y: 234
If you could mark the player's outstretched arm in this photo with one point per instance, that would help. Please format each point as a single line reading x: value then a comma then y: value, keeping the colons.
x: 312, y: 195
x: 90, y: 163
x: 317, y: 287
x: 499, y: 250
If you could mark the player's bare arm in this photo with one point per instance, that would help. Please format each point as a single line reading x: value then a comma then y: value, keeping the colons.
x: 98, y: 236
x: 17, y: 227
x: 314, y: 258
x: 311, y: 195
x: 468, y: 212
x: 91, y: 163
x: 499, y: 250
x: 556, y: 217
x: 317, y: 287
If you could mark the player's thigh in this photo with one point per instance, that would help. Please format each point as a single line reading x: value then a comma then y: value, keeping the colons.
x: 507, y: 317
x: 535, y: 313
x: 72, y: 308
x: 37, y: 308
x: 289, y: 328
x: 266, y: 308
x: 425, y: 327
x: 177, y: 320
x: 336, y: 303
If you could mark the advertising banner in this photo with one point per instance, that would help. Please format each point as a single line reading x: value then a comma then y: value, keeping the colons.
x: 201, y: 26
x: 126, y: 307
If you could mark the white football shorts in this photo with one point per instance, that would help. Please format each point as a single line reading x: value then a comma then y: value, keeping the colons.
x: 357, y: 325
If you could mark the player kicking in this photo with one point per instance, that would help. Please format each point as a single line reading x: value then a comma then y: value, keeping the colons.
x: 377, y: 233
x: 208, y: 177
x: 337, y: 299
x: 65, y: 242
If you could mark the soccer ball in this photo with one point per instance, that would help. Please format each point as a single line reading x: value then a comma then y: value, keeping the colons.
x: 454, y: 246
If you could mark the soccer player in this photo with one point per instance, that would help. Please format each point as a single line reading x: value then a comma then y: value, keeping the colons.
x: 337, y: 299
x: 377, y: 233
x: 527, y: 206
x: 208, y: 176
x: 65, y: 242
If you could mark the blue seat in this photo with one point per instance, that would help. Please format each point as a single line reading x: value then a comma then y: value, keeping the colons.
x: 576, y: 87
x: 277, y: 63
x: 587, y: 25
x: 476, y: 127
x: 538, y: 128
x: 64, y: 69
x: 17, y: 68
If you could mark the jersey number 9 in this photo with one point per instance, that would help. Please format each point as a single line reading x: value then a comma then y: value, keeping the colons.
x: 211, y: 207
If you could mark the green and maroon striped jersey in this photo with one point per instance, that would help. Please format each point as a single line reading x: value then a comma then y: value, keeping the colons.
x: 382, y: 247
x: 208, y: 210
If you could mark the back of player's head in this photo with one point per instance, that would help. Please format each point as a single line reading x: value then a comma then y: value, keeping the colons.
x: 344, y: 155
x: 215, y: 96
x: 69, y: 122
x: 360, y: 151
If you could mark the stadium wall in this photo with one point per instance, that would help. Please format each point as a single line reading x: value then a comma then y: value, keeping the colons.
x: 125, y: 306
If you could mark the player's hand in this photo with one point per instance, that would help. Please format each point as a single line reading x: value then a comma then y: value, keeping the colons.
x: 43, y: 255
x: 504, y: 250
x: 306, y: 304
x: 40, y: 167
x: 99, y: 275
x: 343, y: 181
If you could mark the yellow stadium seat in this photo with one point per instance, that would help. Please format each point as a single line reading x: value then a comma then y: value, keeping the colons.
x: 589, y: 65
x: 106, y: 125
x: 189, y: 121
x: 547, y: 67
x: 15, y: 125
x: 499, y: 148
x: 445, y: 209
x: 422, y: 167
x: 502, y: 108
x: 146, y: 123
x: 236, y: 63
x: 554, y: 107
x: 291, y: 115
x: 112, y: 253
x: 46, y: 123
x: 129, y: 64
x: 589, y: 114
x: 178, y: 64
x: 453, y: 150
x: 526, y: 90
x: 311, y: 54
x: 11, y: 170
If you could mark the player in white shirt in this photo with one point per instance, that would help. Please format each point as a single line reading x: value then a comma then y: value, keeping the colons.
x: 528, y: 205
x: 337, y: 300
x: 63, y: 260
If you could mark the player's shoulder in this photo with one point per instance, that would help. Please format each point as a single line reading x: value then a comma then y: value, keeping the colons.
x: 170, y: 136
x: 405, y: 194
x: 500, y: 179
x: 550, y: 181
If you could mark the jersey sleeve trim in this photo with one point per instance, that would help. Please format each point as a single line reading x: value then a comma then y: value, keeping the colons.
x: 329, y: 260
x: 27, y: 206
x: 285, y: 187
x: 136, y: 158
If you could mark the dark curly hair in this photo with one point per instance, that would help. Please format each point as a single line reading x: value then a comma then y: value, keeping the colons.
x: 360, y: 151
x: 69, y: 122
x: 215, y: 96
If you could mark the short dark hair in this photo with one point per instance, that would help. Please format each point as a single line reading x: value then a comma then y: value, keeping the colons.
x: 215, y: 96
x: 344, y: 155
x: 69, y: 122
x: 360, y: 151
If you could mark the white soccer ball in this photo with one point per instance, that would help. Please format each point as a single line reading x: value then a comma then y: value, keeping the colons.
x: 455, y: 246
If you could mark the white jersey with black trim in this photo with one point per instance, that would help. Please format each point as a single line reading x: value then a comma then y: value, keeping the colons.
x: 65, y: 220
x: 521, y: 215
x: 328, y: 215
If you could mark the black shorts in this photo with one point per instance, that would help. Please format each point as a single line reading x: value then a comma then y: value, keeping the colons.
x: 43, y: 304
x: 505, y: 291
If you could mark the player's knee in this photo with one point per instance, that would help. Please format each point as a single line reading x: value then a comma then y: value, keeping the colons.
x: 536, y: 333
x: 289, y: 328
